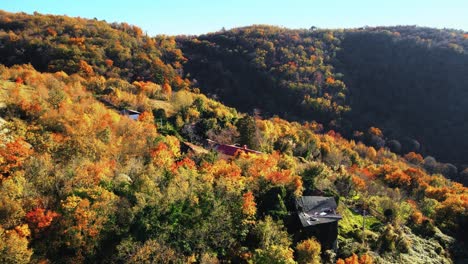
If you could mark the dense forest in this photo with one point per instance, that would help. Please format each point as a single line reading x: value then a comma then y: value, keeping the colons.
x: 80, y: 182
x: 408, y: 81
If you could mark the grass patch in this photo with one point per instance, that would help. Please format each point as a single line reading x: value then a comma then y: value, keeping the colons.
x: 168, y: 107
x: 352, y: 221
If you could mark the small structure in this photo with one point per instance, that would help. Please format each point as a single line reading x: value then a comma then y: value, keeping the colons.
x: 192, y: 149
x: 230, y: 150
x: 317, y: 216
x: 315, y: 210
x: 132, y: 114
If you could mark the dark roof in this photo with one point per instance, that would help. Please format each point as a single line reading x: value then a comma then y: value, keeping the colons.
x: 315, y: 210
x: 132, y: 114
x: 231, y: 150
x: 129, y: 112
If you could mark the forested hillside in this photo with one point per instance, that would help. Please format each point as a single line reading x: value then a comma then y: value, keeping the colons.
x: 408, y: 81
x: 411, y: 82
x: 280, y: 71
x: 80, y: 182
x: 60, y: 43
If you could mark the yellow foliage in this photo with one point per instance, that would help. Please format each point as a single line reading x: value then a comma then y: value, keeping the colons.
x: 308, y: 251
x: 14, y: 247
x: 23, y: 230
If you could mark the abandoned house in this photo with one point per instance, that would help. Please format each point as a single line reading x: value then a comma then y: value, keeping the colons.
x: 317, y: 217
x: 132, y: 114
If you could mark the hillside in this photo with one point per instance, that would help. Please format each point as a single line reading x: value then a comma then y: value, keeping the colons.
x: 60, y: 43
x: 408, y: 81
x: 80, y: 182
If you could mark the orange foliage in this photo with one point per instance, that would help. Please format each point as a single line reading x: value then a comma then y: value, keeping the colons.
x: 414, y: 158
x: 354, y: 259
x: 451, y: 211
x: 298, y: 185
x: 375, y: 131
x: 363, y: 172
x: 138, y: 31
x: 23, y: 230
x: 109, y: 62
x: 84, y: 219
x: 19, y: 80
x: 179, y: 82
x: 266, y: 166
x: 77, y: 41
x: 6, y: 20
x: 386, y: 169
x: 412, y: 203
x: 146, y: 117
x: 12, y: 36
x: 359, y: 183
x: 398, y: 179
x: 185, y: 163
x: 438, y: 193
x: 366, y: 259
x: 91, y: 173
x: 40, y: 218
x: 51, y: 32
x: 366, y: 172
x: 13, y: 154
x: 162, y: 155
x: 280, y: 177
x: 457, y: 202
x: 292, y: 64
x: 31, y: 108
x: 261, y: 165
x: 330, y: 80
x: 334, y: 134
x: 353, y: 169
x: 58, y: 137
x: 85, y: 67
x: 249, y: 205
x: 417, y: 217
x: 418, y: 177
x: 167, y: 89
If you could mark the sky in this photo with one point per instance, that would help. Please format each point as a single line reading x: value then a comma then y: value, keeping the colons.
x: 194, y: 17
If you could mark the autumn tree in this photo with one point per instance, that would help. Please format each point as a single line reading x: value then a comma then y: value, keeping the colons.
x: 14, y: 247
x: 13, y: 154
x: 308, y: 251
x: 249, y: 205
x: 40, y: 218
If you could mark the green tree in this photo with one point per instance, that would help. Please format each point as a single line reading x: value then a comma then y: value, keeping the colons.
x: 248, y: 132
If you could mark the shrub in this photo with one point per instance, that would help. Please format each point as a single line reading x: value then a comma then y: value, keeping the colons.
x: 308, y: 251
x: 387, y: 239
x: 403, y: 244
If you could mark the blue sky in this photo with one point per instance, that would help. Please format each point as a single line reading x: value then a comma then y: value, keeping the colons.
x: 174, y: 17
